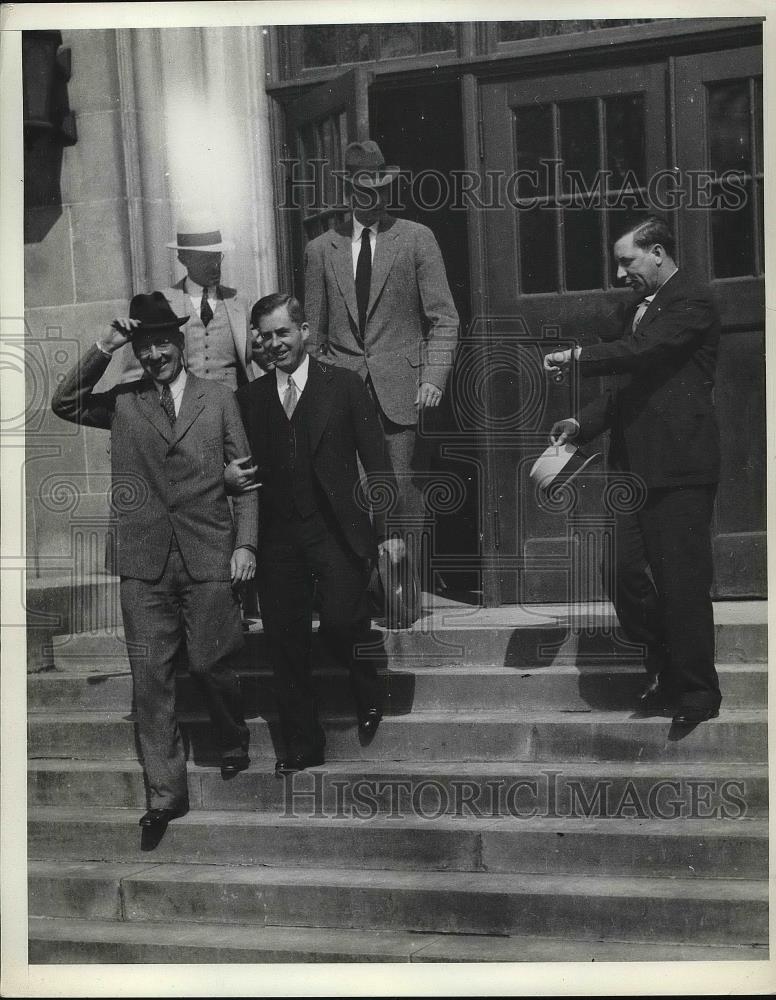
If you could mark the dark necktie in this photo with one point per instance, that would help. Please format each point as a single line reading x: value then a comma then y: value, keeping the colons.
x: 167, y: 404
x: 205, y: 312
x: 363, y: 280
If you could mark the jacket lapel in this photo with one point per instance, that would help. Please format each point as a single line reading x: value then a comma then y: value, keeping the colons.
x: 341, y: 252
x: 151, y: 408
x: 320, y: 398
x: 238, y: 328
x: 386, y: 248
x: 192, y: 405
x: 667, y: 293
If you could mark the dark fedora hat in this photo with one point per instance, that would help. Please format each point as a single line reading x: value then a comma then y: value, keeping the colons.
x: 395, y: 592
x: 154, y: 313
x: 365, y: 165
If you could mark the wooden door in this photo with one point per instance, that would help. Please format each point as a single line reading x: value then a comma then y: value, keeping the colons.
x: 319, y: 126
x: 561, y: 149
x: 720, y: 135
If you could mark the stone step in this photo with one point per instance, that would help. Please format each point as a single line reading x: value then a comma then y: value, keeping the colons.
x: 420, y: 688
x: 58, y: 941
x: 644, y: 909
x: 676, y: 790
x: 702, y: 848
x: 444, y: 640
x: 516, y: 735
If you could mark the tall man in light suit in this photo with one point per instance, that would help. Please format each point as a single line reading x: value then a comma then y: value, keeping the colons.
x: 378, y: 302
x: 663, y: 429
x: 179, y: 552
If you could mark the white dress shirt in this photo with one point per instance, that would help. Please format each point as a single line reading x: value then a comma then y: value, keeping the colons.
x: 355, y: 245
x: 195, y: 294
x: 177, y: 386
x: 299, y: 377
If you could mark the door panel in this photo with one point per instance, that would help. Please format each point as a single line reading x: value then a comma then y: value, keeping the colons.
x: 720, y: 129
x: 564, y: 148
x: 319, y: 127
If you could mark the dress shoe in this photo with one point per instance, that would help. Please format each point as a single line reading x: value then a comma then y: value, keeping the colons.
x: 691, y: 716
x: 368, y: 725
x: 233, y: 764
x: 298, y: 762
x: 159, y: 818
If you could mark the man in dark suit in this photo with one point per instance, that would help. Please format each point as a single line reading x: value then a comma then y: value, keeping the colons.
x: 307, y: 423
x: 378, y: 303
x: 179, y: 552
x: 663, y: 429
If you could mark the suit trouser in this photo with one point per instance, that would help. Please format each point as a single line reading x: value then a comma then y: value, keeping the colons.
x: 160, y: 618
x: 663, y: 573
x: 408, y: 453
x: 295, y: 554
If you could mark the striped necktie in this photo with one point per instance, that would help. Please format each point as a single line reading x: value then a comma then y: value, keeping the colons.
x: 290, y: 397
x: 167, y: 403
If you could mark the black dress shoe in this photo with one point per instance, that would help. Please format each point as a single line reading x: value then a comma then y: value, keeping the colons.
x: 298, y: 762
x: 233, y: 764
x: 691, y: 716
x: 368, y: 725
x: 159, y: 818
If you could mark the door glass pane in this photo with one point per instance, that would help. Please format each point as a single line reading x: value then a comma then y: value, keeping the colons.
x: 538, y: 254
x: 437, y: 36
x: 728, y: 123
x: 625, y: 145
x: 582, y: 239
x: 732, y: 236
x: 758, y: 123
x: 356, y: 42
x: 579, y: 139
x: 319, y: 45
x: 533, y: 138
x: 398, y: 40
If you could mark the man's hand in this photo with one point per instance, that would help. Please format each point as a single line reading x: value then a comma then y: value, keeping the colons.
x: 238, y: 479
x: 428, y: 395
x: 242, y: 566
x: 120, y: 333
x: 394, y: 547
x: 563, y: 431
x: 557, y: 362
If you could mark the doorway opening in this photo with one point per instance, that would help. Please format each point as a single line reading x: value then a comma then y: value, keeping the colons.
x: 420, y: 128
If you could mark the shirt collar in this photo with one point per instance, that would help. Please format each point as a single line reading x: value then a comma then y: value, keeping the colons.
x: 358, y: 229
x: 195, y: 290
x: 300, y: 375
x: 177, y: 385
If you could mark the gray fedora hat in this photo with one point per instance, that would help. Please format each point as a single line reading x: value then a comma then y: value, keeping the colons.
x: 558, y: 465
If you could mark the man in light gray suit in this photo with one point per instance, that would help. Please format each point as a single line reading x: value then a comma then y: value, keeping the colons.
x: 180, y: 554
x: 378, y: 302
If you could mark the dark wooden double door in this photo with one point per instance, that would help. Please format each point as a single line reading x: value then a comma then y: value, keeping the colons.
x: 572, y: 156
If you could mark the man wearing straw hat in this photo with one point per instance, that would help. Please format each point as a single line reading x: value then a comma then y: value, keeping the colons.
x: 181, y: 552
x: 218, y: 340
x: 379, y: 303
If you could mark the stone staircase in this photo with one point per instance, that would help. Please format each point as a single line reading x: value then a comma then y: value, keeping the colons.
x: 512, y: 807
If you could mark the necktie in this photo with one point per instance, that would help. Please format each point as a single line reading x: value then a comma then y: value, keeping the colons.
x: 290, y: 397
x: 363, y: 280
x: 640, y: 310
x: 205, y: 312
x: 167, y: 404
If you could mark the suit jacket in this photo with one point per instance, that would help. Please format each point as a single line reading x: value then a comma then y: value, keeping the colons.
x: 164, y: 477
x: 126, y: 366
x: 412, y: 325
x: 343, y: 425
x: 661, y: 413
